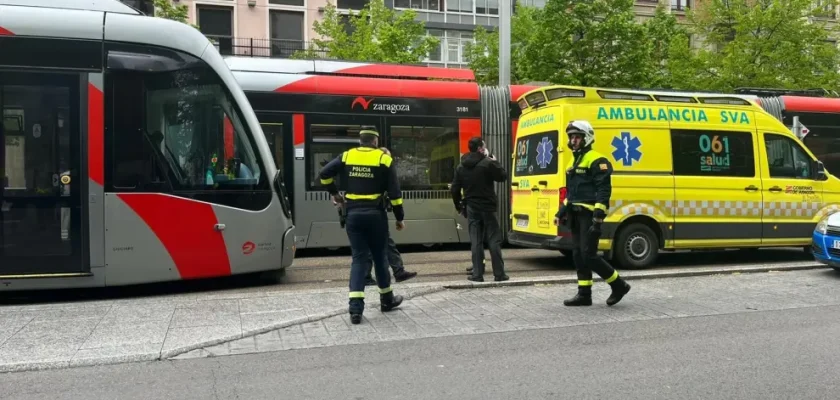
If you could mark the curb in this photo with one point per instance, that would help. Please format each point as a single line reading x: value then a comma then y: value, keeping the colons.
x: 280, y: 325
x: 639, y: 276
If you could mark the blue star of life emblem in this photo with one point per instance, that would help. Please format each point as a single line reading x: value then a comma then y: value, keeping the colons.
x: 544, y: 152
x: 626, y: 149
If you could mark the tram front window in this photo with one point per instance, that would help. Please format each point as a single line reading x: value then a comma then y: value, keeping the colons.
x: 198, y: 133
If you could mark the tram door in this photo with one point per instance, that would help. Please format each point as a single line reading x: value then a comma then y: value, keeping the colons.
x: 41, y: 171
x: 278, y: 132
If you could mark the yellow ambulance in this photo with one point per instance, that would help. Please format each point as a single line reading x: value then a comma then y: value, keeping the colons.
x: 690, y: 172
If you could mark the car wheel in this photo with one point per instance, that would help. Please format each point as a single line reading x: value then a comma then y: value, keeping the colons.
x: 636, y: 246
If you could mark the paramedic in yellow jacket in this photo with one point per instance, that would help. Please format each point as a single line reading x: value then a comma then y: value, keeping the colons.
x: 588, y: 183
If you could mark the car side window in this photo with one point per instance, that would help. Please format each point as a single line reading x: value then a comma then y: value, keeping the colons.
x: 786, y: 158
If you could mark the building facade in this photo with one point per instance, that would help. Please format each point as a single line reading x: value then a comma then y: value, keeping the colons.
x: 278, y: 28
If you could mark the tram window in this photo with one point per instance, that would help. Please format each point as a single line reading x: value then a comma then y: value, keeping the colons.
x: 189, y: 127
x: 785, y: 158
x: 824, y: 142
x: 328, y: 142
x: 425, y: 156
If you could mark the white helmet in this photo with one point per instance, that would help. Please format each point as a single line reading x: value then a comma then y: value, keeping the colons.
x: 581, y: 128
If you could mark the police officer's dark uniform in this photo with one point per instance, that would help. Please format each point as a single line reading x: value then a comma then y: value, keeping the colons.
x: 588, y: 181
x: 368, y: 173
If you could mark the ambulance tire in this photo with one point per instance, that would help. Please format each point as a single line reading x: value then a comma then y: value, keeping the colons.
x: 636, y: 246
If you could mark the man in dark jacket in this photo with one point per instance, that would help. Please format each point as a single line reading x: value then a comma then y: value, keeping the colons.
x: 476, y: 176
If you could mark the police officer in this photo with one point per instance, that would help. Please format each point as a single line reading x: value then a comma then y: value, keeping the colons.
x: 588, y: 180
x: 368, y: 173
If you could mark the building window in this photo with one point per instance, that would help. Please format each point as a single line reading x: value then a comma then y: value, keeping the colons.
x: 465, y: 6
x: 217, y: 24
x: 424, y: 5
x: 425, y: 156
x: 452, y: 48
x: 489, y: 7
x: 680, y: 5
x: 286, y: 33
x: 351, y: 4
x: 287, y: 2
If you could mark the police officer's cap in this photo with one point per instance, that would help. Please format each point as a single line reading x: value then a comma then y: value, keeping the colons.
x: 369, y: 132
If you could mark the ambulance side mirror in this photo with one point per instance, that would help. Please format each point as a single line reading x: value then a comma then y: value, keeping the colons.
x: 820, y: 171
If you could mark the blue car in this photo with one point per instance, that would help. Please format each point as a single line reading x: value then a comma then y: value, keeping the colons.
x: 825, y: 242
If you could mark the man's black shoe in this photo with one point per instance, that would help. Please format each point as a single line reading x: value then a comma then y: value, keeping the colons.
x: 475, y: 278
x: 389, y: 301
x: 404, y: 275
x: 502, y: 278
x: 356, y: 319
x: 578, y: 300
x: 618, y: 292
x: 369, y: 281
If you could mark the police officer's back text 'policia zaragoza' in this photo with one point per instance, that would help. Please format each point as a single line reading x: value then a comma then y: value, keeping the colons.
x: 588, y: 180
x: 368, y: 173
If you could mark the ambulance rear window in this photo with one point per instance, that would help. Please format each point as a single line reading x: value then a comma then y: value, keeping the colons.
x: 536, y: 154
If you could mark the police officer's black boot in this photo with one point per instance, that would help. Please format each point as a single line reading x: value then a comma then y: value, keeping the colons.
x: 582, y: 298
x: 357, y: 306
x: 389, y: 301
x: 619, y: 288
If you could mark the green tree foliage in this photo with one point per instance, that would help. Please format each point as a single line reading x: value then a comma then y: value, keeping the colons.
x: 377, y: 34
x: 165, y: 9
x: 759, y: 43
x: 483, y: 54
x: 589, y: 43
x: 592, y: 43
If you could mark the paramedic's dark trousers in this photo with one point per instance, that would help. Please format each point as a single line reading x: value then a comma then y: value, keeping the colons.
x: 585, y: 253
x: 484, y: 227
x: 367, y: 230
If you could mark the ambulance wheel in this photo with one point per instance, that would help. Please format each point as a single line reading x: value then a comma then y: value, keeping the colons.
x: 636, y: 246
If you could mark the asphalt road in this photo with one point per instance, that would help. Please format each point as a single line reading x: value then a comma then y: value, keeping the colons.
x: 759, y: 355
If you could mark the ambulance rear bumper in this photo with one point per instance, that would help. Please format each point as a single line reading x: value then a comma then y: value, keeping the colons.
x: 547, y: 242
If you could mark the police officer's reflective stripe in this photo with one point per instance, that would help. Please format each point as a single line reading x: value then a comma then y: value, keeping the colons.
x: 612, y: 278
x: 585, y: 283
x: 357, y: 295
x: 396, y: 202
x: 327, y: 181
x: 386, y: 290
x: 363, y: 196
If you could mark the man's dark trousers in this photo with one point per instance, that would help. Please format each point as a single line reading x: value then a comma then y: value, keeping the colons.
x: 393, y: 256
x: 484, y: 227
x: 367, y: 230
x: 585, y: 238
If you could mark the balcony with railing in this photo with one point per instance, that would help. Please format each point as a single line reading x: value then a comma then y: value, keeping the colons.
x: 269, y: 48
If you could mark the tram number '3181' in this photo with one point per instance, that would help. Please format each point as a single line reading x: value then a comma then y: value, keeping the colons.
x: 462, y: 109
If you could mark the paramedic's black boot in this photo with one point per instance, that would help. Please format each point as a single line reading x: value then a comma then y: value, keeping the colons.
x: 582, y: 298
x: 357, y: 307
x: 389, y: 301
x: 619, y: 289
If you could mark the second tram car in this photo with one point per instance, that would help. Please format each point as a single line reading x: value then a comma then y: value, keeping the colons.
x: 130, y: 155
x: 312, y: 110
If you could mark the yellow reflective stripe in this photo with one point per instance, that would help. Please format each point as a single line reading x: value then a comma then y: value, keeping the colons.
x: 357, y: 295
x: 327, y: 181
x: 584, y: 283
x: 386, y: 160
x: 344, y: 157
x: 565, y: 202
x: 364, y: 157
x: 612, y: 278
x: 396, y: 202
x: 586, y: 206
x: 362, y: 196
x: 386, y: 290
x: 601, y: 207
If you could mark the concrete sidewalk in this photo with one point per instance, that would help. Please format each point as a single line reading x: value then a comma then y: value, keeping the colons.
x: 128, y: 330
